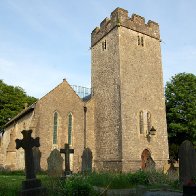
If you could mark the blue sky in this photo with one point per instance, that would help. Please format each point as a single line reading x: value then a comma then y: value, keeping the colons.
x: 44, y: 41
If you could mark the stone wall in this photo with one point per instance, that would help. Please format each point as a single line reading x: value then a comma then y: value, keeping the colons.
x: 105, y: 85
x: 62, y: 100
x: 12, y: 158
x: 90, y: 130
x: 142, y: 90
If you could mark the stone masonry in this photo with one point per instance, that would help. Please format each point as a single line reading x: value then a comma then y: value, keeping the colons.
x: 127, y: 99
x: 127, y: 79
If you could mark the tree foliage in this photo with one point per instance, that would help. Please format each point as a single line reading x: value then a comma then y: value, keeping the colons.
x: 12, y: 101
x: 180, y: 96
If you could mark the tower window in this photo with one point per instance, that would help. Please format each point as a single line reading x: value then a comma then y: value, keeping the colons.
x: 104, y: 45
x: 141, y: 122
x: 140, y: 40
x: 149, y: 123
x: 55, y: 127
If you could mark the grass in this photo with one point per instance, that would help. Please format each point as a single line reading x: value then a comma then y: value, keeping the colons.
x: 10, y: 182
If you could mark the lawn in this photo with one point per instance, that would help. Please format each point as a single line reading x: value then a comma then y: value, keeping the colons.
x: 78, y: 184
x: 10, y: 184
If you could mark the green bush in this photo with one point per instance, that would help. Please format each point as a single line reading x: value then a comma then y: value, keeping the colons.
x: 139, y: 177
x: 78, y: 185
x: 176, y: 184
x: 118, y: 180
x: 75, y: 185
x: 99, y: 179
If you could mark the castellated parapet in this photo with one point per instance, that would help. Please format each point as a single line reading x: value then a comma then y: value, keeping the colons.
x: 119, y: 17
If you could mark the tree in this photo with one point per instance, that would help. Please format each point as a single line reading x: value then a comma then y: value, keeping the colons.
x: 12, y: 101
x: 180, y: 96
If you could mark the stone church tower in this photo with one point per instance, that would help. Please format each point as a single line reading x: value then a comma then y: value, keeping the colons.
x: 127, y: 86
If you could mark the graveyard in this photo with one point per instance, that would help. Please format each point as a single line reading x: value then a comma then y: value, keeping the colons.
x: 59, y: 181
x: 92, y: 184
x: 62, y: 182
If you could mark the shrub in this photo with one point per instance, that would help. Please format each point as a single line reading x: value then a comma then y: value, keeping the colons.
x: 78, y: 185
x: 75, y: 185
x: 139, y: 177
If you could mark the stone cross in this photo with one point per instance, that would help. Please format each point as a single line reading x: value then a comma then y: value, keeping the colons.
x: 27, y: 143
x: 67, y: 151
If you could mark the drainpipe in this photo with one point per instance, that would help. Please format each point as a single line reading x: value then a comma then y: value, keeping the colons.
x: 85, y: 110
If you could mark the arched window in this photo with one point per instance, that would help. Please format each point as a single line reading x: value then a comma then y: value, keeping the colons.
x: 55, y: 128
x: 104, y: 45
x: 138, y: 40
x: 149, y: 124
x: 70, y: 128
x: 141, y: 119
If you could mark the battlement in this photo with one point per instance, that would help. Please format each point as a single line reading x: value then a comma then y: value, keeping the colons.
x: 119, y: 17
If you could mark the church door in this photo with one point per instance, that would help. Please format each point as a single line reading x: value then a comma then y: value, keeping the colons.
x: 87, y: 160
x: 147, y: 161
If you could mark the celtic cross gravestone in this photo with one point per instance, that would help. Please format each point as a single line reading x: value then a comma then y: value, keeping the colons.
x: 31, y: 186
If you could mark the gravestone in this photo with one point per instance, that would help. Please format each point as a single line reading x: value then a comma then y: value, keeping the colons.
x: 172, y: 169
x: 187, y: 162
x: 36, y: 157
x: 55, y: 164
x: 87, y: 160
x: 150, y: 164
x: 187, y: 167
x: 67, y: 151
x: 31, y: 186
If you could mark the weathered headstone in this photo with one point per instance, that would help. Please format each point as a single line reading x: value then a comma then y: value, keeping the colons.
x: 36, y: 158
x: 67, y: 151
x: 172, y: 169
x: 187, y: 162
x: 31, y: 186
x: 166, y: 167
x: 55, y: 164
x: 187, y: 167
x: 150, y: 164
x: 87, y: 160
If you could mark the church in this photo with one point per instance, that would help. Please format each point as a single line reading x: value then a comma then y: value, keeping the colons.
x: 120, y: 125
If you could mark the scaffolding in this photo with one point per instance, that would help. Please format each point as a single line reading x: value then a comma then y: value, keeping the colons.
x: 81, y: 91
